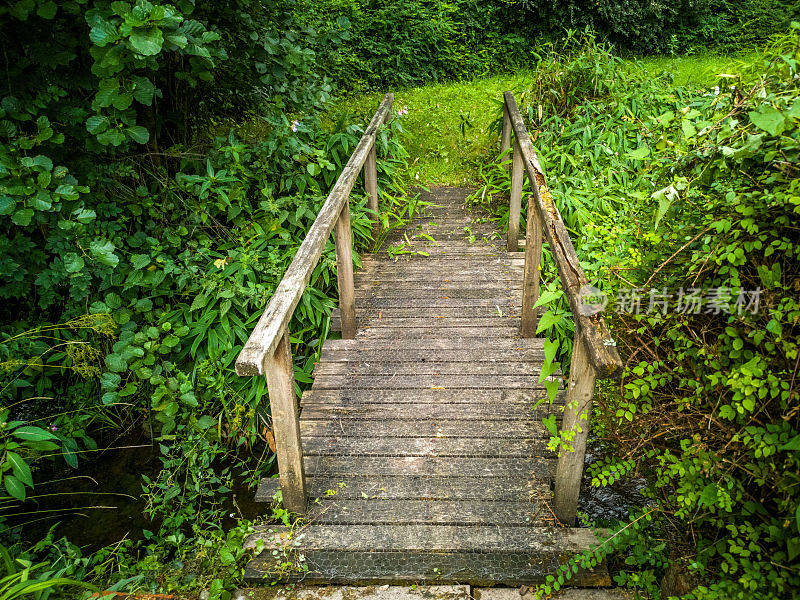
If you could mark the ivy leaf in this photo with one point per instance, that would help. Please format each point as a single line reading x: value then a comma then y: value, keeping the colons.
x: 103, y: 251
x: 665, y: 196
x: 550, y: 349
x: 550, y: 424
x: 547, y: 321
x: 792, y: 444
x: 15, y: 487
x: 552, y: 389
x: 147, y: 41
x: 139, y: 134
x: 768, y: 119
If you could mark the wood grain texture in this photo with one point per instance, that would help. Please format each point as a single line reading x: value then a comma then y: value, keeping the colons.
x: 600, y: 345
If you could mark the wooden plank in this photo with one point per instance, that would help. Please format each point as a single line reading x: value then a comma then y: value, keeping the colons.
x: 270, y: 327
x: 344, y: 273
x: 414, y: 355
x: 371, y: 182
x: 419, y: 487
x: 360, y: 511
x: 434, y: 323
x: 432, y: 466
x: 414, y: 382
x: 467, y: 334
x: 439, y: 447
x: 423, y: 368
x: 522, y: 428
x: 286, y: 428
x: 431, y: 538
x: 409, y: 411
x: 601, y: 347
x: 505, y: 136
x: 500, y: 398
x: 510, y: 343
x: 577, y: 416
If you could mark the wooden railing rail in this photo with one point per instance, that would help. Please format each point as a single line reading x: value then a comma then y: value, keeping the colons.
x: 594, y: 354
x: 268, y: 349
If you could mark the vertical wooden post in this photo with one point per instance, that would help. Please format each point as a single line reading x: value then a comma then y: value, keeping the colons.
x: 530, y: 282
x: 505, y: 136
x: 285, y: 425
x: 577, y: 415
x: 515, y: 203
x: 371, y: 184
x: 344, y: 271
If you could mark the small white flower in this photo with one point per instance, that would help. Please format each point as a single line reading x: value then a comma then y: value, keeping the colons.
x: 295, y: 125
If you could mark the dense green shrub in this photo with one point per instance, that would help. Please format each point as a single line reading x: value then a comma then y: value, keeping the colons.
x: 667, y: 190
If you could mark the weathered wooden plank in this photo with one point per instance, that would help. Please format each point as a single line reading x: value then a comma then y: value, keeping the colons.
x: 530, y: 283
x: 414, y: 355
x: 522, y: 428
x: 468, y: 334
x: 601, y: 348
x: 501, y: 398
x: 515, y: 200
x: 407, y: 411
x: 270, y: 327
x: 344, y: 273
x: 432, y: 466
x: 423, y: 368
x: 426, y: 381
x: 371, y: 181
x: 360, y: 511
x: 577, y: 416
x: 468, y: 310
x: 433, y: 323
x: 283, y: 407
x: 426, y: 446
x: 430, y: 538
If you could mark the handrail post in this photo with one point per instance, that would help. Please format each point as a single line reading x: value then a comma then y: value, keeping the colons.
x: 371, y: 184
x: 344, y: 271
x: 577, y: 415
x: 286, y: 427
x: 505, y: 136
x: 530, y: 281
x: 515, y: 202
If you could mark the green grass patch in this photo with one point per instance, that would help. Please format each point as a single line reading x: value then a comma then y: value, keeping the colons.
x: 449, y: 124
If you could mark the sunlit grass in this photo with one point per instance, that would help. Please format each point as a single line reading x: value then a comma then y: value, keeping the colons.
x: 449, y: 124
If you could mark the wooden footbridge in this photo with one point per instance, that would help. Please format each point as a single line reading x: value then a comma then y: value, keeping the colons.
x: 419, y: 453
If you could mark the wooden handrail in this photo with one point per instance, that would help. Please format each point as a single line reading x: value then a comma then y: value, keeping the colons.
x: 594, y: 351
x: 268, y: 350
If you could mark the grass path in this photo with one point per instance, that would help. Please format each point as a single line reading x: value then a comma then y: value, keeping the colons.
x: 449, y: 125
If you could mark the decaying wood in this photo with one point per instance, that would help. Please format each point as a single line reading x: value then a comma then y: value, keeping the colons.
x: 600, y: 345
x: 577, y: 415
x: 269, y: 329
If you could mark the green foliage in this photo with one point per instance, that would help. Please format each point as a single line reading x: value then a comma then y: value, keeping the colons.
x: 24, y: 579
x: 706, y: 410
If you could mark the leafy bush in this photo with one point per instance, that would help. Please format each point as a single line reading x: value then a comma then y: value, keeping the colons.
x: 706, y: 410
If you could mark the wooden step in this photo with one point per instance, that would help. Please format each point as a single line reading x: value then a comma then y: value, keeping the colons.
x: 477, y: 554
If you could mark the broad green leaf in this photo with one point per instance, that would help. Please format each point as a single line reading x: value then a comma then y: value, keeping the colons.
x: 206, y: 421
x: 7, y: 204
x: 47, y: 10
x: 22, y: 217
x: 550, y: 349
x: 768, y: 119
x: 792, y: 444
x: 116, y: 363
x: 139, y: 134
x: 640, y: 153
x: 547, y: 320
x: 14, y: 487
x: 548, y: 296
x: 140, y: 261
x: 103, y: 251
x: 550, y: 423
x: 146, y: 41
x: 73, y: 263
x: 708, y: 496
x: 107, y: 91
x: 143, y: 90
x: 85, y: 215
x: 102, y: 33
x: 33, y: 434
x: 21, y: 469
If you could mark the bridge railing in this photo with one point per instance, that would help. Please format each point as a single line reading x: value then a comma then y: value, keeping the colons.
x: 268, y: 350
x: 594, y: 354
